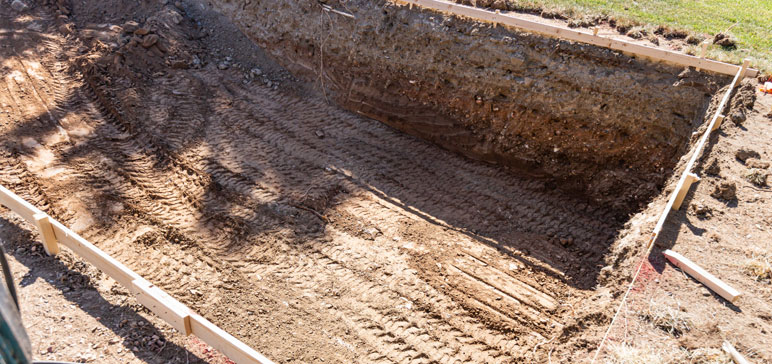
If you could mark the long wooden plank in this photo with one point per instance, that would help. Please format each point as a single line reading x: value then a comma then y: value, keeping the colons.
x: 696, y: 153
x: 631, y: 48
x: 94, y: 255
x: 165, y: 306
x: 224, y: 342
x: 21, y: 207
x: 709, y: 280
x: 736, y: 356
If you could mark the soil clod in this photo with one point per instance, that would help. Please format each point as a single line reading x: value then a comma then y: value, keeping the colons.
x: 744, y: 154
x: 725, y: 191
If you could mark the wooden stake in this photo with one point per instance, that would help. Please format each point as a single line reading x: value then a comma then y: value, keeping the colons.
x: 172, y: 311
x: 690, y: 178
x: 704, y: 48
x: 43, y: 223
x: 736, y: 356
x: 595, y: 31
x: 718, y: 122
x: 709, y: 280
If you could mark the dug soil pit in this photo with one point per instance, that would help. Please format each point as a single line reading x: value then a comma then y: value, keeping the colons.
x: 162, y: 134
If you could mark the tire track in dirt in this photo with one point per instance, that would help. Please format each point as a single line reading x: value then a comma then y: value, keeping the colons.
x: 381, y: 319
x: 200, y: 184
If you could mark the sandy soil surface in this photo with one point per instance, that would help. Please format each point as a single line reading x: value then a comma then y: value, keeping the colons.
x: 310, y: 233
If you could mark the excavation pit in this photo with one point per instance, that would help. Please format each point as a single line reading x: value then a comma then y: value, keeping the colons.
x: 271, y: 203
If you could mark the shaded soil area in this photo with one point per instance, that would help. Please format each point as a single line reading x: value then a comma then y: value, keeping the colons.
x: 593, y: 122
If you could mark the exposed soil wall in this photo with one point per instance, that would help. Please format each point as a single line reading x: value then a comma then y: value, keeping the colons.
x: 595, y: 121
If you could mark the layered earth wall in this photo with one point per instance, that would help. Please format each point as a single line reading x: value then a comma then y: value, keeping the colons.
x: 591, y: 121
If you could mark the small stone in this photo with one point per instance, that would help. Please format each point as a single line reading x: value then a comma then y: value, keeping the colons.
x: 319, y: 133
x: 65, y: 28
x: 19, y: 5
x: 738, y: 117
x: 149, y: 41
x: 744, y: 154
x: 702, y: 210
x: 223, y: 65
x: 255, y: 72
x: 179, y: 64
x: 141, y: 31
x: 130, y: 26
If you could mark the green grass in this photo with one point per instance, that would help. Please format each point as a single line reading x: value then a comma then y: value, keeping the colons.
x: 753, y: 19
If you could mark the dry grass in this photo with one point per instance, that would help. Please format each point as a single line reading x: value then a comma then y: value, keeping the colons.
x: 670, y: 319
x: 628, y: 354
x: 757, y: 177
x: 759, y: 267
x: 631, y: 354
x: 708, y: 356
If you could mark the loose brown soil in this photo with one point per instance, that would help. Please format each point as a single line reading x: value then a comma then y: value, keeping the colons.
x: 310, y: 233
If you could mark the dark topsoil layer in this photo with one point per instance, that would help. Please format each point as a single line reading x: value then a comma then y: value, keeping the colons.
x: 592, y: 121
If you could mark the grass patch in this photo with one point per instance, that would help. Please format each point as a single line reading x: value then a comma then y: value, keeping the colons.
x: 746, y: 21
x: 634, y: 354
x: 628, y: 354
x: 670, y: 319
x: 759, y: 267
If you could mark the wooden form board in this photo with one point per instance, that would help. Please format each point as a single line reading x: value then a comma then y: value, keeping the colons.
x: 736, y: 356
x: 709, y: 280
x: 169, y: 309
x: 631, y: 48
x: 682, y: 182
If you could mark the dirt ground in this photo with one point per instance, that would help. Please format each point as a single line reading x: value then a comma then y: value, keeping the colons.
x: 311, y: 233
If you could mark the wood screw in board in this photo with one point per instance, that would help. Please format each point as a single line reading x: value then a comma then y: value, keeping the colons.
x: 690, y: 178
x: 709, y: 280
x: 43, y: 223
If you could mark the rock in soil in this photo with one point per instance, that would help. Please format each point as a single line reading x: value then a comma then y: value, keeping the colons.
x: 19, y: 5
x: 149, y: 41
x: 738, y: 117
x: 725, y: 191
x: 702, y: 210
x: 130, y: 26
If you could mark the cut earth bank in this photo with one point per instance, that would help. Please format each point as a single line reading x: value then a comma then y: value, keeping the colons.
x: 597, y: 123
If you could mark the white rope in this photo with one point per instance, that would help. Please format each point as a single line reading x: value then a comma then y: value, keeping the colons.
x: 624, y: 298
